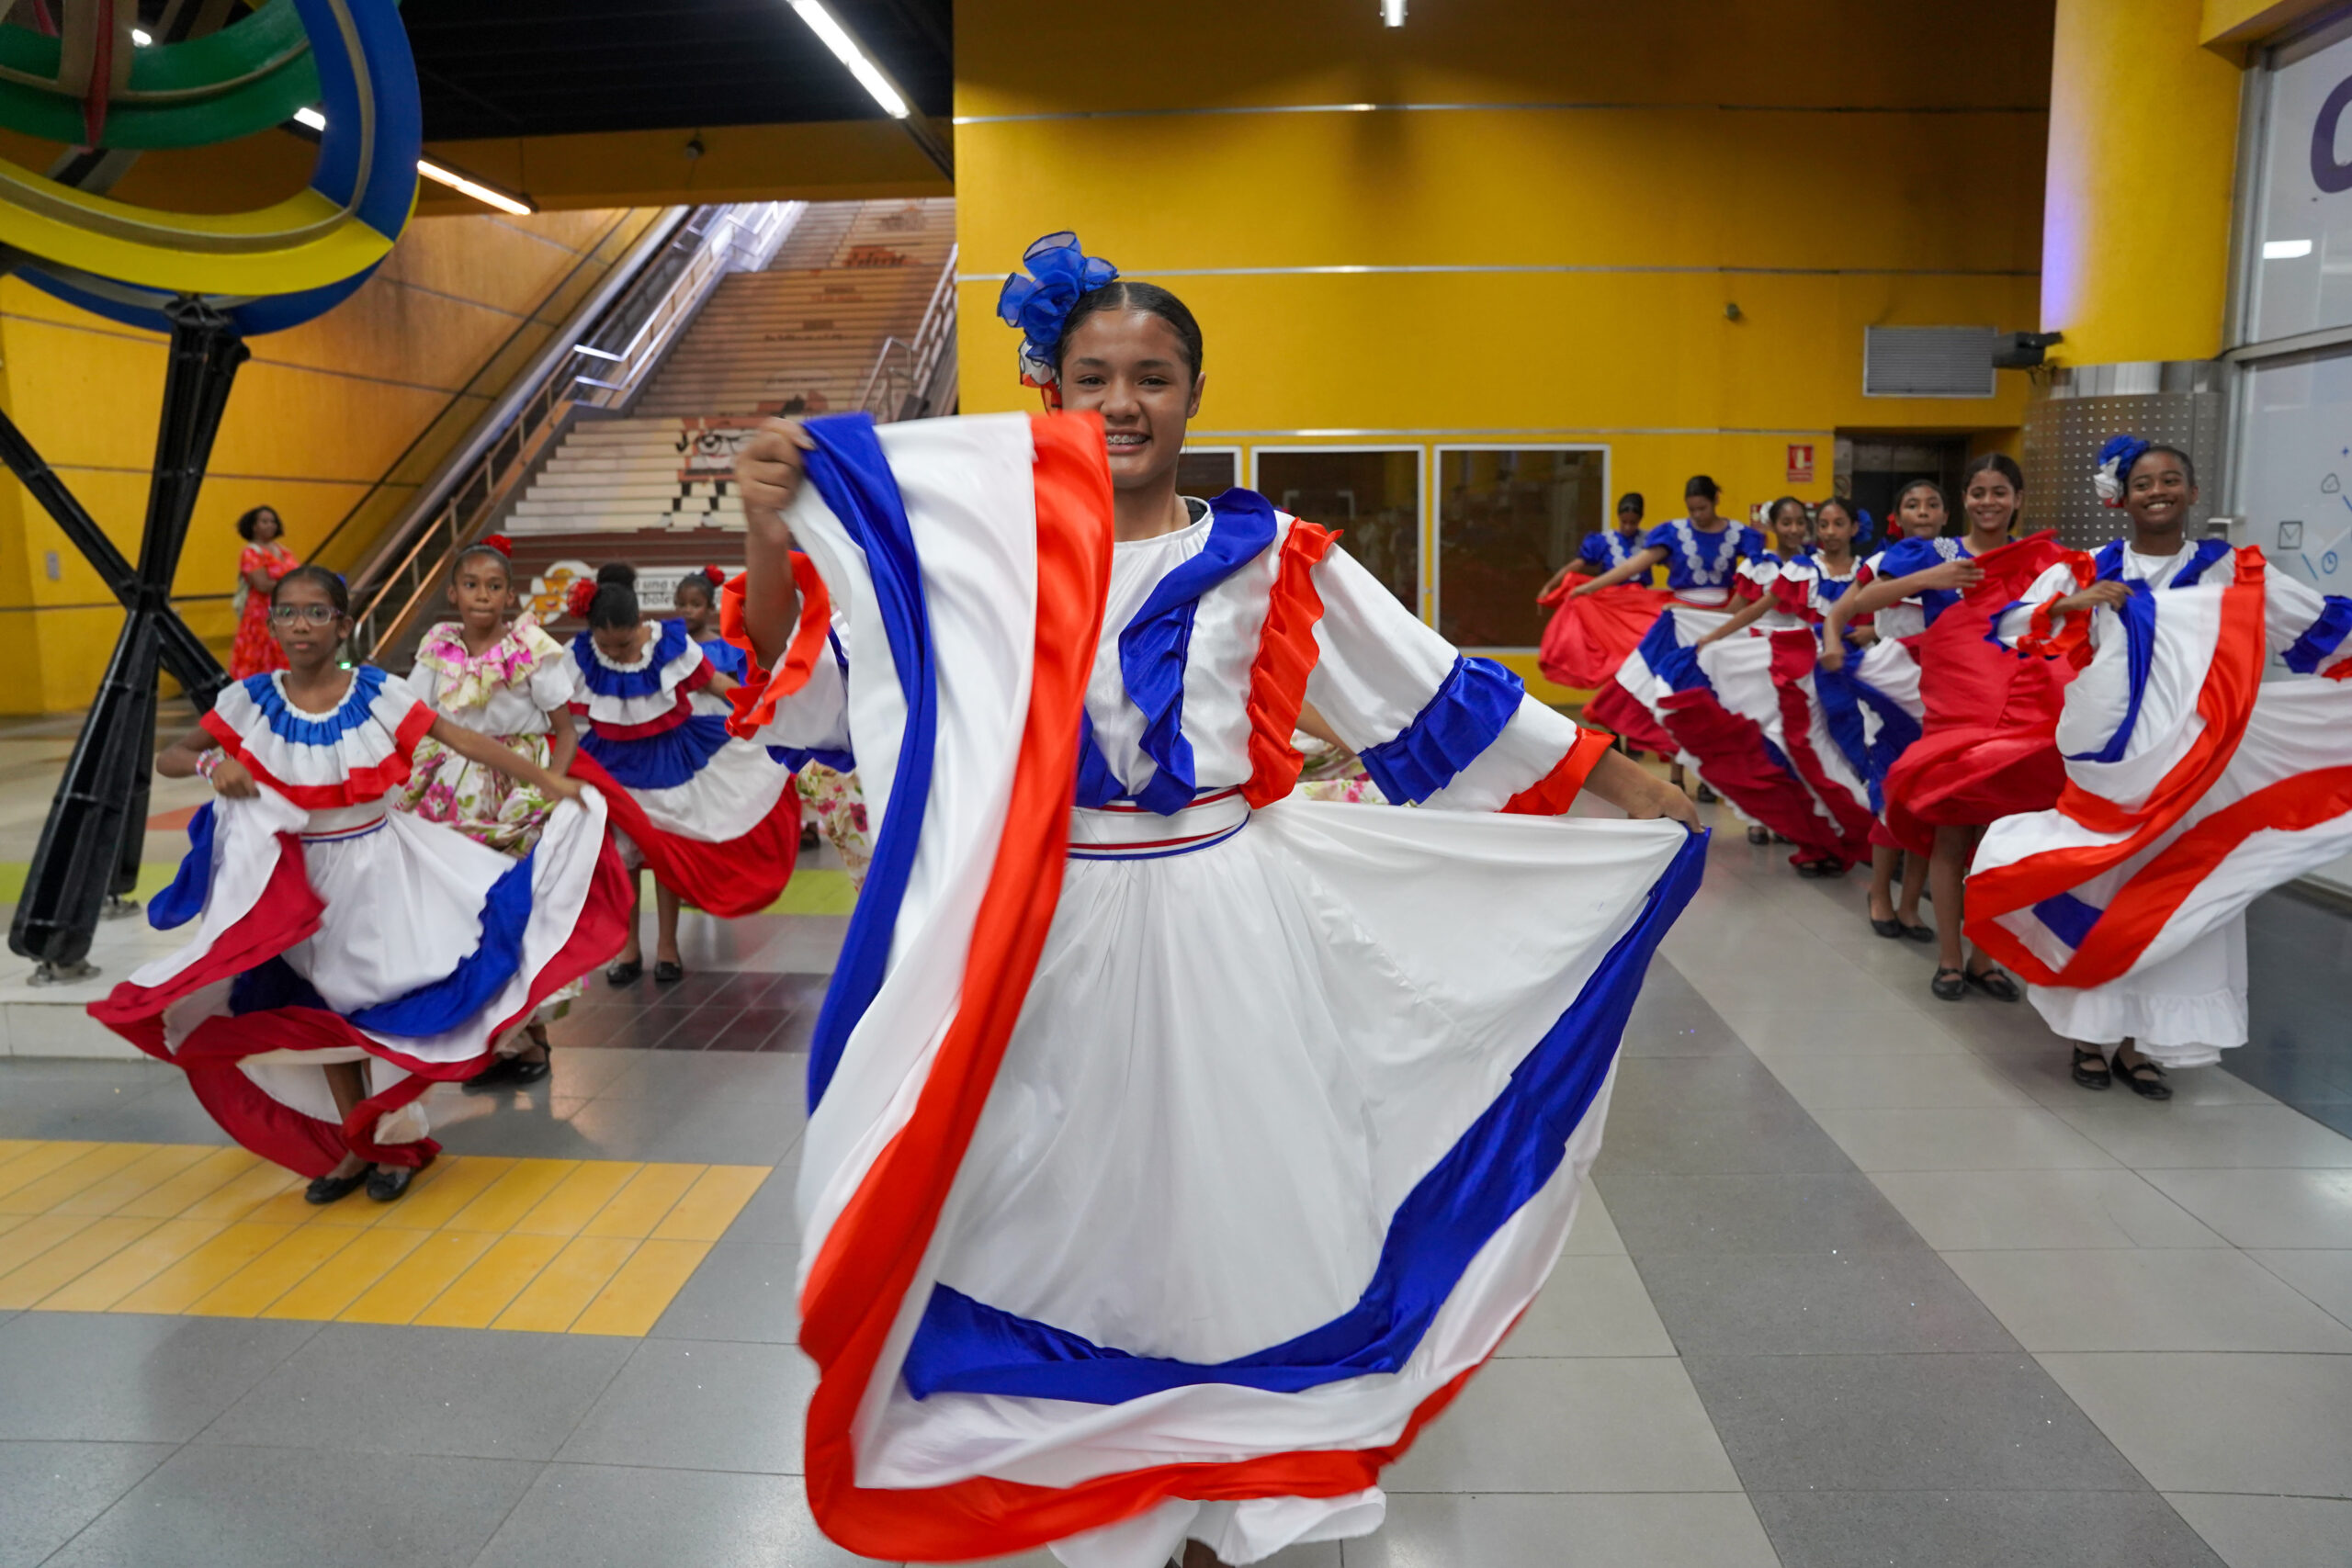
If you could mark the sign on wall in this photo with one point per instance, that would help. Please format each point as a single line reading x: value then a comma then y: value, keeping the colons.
x: 1799, y: 462
x: 2302, y: 269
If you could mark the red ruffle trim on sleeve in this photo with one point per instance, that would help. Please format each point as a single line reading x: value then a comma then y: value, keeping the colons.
x: 1286, y: 655
x: 755, y: 699
x: 359, y: 786
x: 1552, y: 794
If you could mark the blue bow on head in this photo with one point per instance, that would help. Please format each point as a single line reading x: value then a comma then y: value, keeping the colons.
x: 2114, y: 468
x: 1059, y: 275
x: 1865, y: 530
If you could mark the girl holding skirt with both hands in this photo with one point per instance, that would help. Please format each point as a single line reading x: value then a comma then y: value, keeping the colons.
x: 349, y: 956
x: 1178, y: 1146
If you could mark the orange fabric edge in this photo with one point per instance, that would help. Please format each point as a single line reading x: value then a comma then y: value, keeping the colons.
x: 755, y: 699
x: 1552, y: 794
x: 1286, y: 657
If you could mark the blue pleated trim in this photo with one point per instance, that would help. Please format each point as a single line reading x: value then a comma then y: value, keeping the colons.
x: 2138, y: 615
x: 350, y: 713
x: 2068, y: 918
x: 2322, y: 637
x: 850, y: 471
x: 1157, y: 641
x: 725, y: 658
x: 660, y: 761
x: 183, y: 899
x: 1504, y: 1159
x: 606, y: 682
x: 434, y: 1008
x: 795, y: 758
x: 2202, y: 555
x: 1472, y: 705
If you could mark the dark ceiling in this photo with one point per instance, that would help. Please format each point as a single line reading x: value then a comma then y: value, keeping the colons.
x: 497, y: 68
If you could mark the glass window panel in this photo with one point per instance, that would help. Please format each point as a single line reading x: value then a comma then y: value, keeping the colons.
x: 1506, y: 521
x: 1209, y: 472
x: 1375, y: 496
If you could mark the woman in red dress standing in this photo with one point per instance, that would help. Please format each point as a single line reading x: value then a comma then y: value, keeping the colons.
x: 259, y: 566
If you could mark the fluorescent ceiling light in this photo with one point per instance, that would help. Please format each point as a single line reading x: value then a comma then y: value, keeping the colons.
x: 475, y: 188
x: 820, y: 22
x: 142, y: 37
x: 2285, y: 250
x: 488, y: 195
x: 1392, y: 13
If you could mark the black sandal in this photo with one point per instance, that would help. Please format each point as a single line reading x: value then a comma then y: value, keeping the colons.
x: 2090, y: 1070
x: 1706, y: 797
x: 1890, y: 930
x: 1828, y: 865
x: 1994, y: 982
x: 1758, y: 836
x: 2146, y: 1088
x: 1920, y: 933
x: 1949, y: 983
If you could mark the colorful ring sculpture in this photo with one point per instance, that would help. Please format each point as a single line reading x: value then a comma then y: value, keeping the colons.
x: 268, y: 269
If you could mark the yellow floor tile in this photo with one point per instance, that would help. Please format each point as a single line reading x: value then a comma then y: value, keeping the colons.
x: 59, y: 1265
x: 200, y: 1270
x: 650, y: 1196
x: 578, y: 1198
x: 512, y: 1196
x: 135, y: 1180
x: 250, y: 1290
x: 10, y: 1222
x: 36, y: 1235
x: 711, y: 1205
x: 238, y: 1197
x: 216, y: 1169
x: 642, y: 1290
x: 338, y: 1282
x: 98, y: 1290
x: 477, y: 1296
x: 410, y: 1285
x: 570, y: 1282
x: 446, y: 1185
x: 11, y: 1148
x: 290, y: 1208
x: 94, y: 1164
x: 36, y: 1162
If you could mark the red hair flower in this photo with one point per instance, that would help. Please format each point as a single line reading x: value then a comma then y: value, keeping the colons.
x: 582, y: 595
x: 501, y: 543
x: 715, y: 577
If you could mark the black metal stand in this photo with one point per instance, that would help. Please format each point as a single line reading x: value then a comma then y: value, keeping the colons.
x: 88, y: 858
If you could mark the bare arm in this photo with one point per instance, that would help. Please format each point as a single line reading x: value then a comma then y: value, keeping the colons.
x: 1636, y: 565
x: 723, y: 683
x: 1640, y: 793
x: 768, y: 471
x: 502, y: 759
x: 1577, y: 567
x: 563, y: 741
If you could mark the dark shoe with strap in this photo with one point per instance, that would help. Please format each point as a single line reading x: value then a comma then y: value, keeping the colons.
x: 1706, y: 797
x: 390, y: 1181
x: 2090, y: 1070
x: 1920, y: 933
x: 2150, y: 1087
x: 1994, y: 982
x: 328, y: 1190
x: 1890, y: 930
x: 1758, y: 836
x: 1949, y: 984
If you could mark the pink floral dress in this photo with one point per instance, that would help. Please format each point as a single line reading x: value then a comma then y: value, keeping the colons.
x: 510, y: 693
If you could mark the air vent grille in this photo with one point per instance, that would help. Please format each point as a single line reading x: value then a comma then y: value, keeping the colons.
x: 1927, y: 362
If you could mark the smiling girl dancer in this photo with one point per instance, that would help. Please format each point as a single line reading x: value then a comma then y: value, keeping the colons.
x: 512, y: 682
x: 713, y: 817
x: 2193, y: 783
x: 1969, y: 766
x: 1256, y: 1111
x: 335, y: 934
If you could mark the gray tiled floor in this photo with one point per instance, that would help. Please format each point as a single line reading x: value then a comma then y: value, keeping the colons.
x: 1862, y: 1277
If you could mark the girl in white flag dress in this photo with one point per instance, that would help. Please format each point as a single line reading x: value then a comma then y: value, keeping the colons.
x: 2193, y: 785
x: 1173, y: 1158
x: 334, y: 933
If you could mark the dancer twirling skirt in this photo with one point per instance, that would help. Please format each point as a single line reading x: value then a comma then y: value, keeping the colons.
x: 333, y: 932
x: 1175, y: 1158
x: 2193, y: 784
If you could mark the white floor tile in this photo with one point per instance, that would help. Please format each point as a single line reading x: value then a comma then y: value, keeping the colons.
x: 1594, y: 1234
x: 1591, y: 1425
x: 1590, y: 1307
x: 1997, y: 1139
x: 2267, y: 1208
x: 1777, y: 1032
x: 2275, y: 1425
x: 2324, y: 1277
x: 1604, y: 1530
x: 2144, y: 1299
x: 2270, y: 1533
x: 1973, y: 1209
x: 1949, y: 1082
x: 2151, y: 1136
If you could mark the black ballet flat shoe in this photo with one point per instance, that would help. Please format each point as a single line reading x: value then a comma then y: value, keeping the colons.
x: 502, y: 1071
x: 1824, y: 868
x: 1994, y: 984
x: 627, y: 973
x: 1890, y: 930
x: 1949, y: 984
x: 526, y: 1071
x: 326, y: 1190
x: 2090, y: 1070
x: 1920, y: 933
x: 1758, y: 836
x: 666, y: 972
x: 1706, y: 797
x: 2148, y: 1088
x: 390, y: 1181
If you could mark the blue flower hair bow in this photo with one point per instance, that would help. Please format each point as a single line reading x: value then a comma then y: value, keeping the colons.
x: 2115, y: 460
x: 1059, y: 275
x: 1865, y: 530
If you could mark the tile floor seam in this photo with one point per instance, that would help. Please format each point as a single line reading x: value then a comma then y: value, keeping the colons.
x: 520, y: 1493
x: 91, y: 1523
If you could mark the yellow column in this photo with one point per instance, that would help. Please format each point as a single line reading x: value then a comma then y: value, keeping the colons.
x: 2136, y: 242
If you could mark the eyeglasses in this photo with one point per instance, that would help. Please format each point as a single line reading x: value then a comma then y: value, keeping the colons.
x: 302, y: 615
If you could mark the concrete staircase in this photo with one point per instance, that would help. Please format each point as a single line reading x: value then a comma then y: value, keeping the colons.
x: 800, y: 336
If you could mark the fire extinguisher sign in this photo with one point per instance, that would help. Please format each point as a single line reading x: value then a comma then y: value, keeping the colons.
x: 1799, y: 462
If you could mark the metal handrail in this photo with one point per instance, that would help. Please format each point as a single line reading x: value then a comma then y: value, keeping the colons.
x: 660, y: 301
x: 893, y: 391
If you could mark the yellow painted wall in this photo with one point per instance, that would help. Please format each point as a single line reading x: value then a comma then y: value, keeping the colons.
x: 1825, y: 165
x: 345, y: 416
